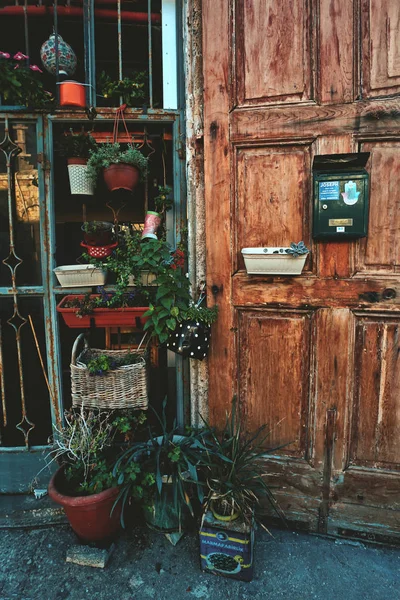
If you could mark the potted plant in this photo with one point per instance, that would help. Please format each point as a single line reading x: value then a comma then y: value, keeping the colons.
x: 77, y: 147
x: 85, y: 484
x: 132, y: 90
x: 163, y: 202
x: 276, y: 260
x: 171, y: 461
x: 105, y: 309
x: 121, y: 168
x: 20, y: 84
x: 191, y: 337
x: 98, y: 233
x: 235, y: 484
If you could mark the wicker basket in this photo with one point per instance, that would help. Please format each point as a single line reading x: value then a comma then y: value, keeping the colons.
x: 124, y: 387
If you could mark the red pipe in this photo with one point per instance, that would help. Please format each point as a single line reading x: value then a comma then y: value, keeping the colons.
x: 102, y: 13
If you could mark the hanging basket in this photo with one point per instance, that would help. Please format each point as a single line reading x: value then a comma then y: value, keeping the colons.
x: 99, y: 251
x: 121, y: 176
x: 78, y: 181
x: 123, y: 387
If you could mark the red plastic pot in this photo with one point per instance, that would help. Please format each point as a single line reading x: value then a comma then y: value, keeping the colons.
x: 72, y: 93
x: 89, y: 516
x: 102, y: 317
x: 121, y: 176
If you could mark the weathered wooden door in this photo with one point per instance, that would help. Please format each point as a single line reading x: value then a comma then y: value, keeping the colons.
x: 285, y: 81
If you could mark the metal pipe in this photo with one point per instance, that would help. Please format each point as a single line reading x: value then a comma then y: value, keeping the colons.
x: 65, y: 11
x: 26, y: 32
x: 119, y: 47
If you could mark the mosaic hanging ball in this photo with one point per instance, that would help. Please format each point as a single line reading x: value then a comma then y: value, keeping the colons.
x: 66, y: 56
x: 190, y: 339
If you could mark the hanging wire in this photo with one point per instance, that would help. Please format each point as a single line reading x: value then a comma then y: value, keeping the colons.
x: 150, y: 52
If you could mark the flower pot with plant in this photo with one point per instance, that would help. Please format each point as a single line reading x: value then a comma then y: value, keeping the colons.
x: 85, y: 484
x: 121, y: 168
x: 191, y: 337
x: 76, y: 147
x: 106, y: 309
x: 171, y: 461
x: 235, y: 485
x: 163, y: 202
x: 20, y: 83
x: 98, y: 233
x: 132, y: 90
x: 275, y: 260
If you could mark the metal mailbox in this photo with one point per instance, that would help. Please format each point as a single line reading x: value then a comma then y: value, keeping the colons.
x: 341, y: 190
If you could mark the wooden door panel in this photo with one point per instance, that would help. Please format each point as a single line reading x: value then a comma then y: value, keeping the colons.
x: 318, y: 350
x: 274, y: 365
x: 380, y: 251
x: 269, y: 67
x: 375, y: 438
x: 272, y: 207
x: 380, y: 47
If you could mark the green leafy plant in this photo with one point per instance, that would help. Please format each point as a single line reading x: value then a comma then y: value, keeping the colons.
x: 20, y: 83
x: 96, y: 226
x: 108, y: 154
x: 170, y: 460
x: 77, y: 145
x: 131, y: 89
x: 86, y: 446
x: 100, y: 365
x: 201, y: 313
x: 163, y: 202
x: 105, y: 299
x: 297, y: 249
x: 234, y: 472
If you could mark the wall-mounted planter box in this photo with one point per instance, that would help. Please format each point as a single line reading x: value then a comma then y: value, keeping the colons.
x: 102, y: 317
x: 272, y: 261
x: 80, y: 275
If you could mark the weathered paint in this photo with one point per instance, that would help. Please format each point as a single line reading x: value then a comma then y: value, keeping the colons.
x: 317, y: 353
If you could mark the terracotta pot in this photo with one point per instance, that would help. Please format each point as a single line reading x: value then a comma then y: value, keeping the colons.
x: 72, y: 93
x: 121, y: 176
x: 89, y: 516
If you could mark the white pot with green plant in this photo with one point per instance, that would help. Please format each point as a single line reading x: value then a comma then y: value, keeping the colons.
x: 274, y: 260
x: 76, y: 147
x: 121, y: 167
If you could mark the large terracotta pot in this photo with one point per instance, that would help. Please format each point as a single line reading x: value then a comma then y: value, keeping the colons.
x: 89, y: 516
x: 121, y: 176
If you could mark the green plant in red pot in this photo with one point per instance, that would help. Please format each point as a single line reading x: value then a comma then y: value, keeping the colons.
x: 122, y: 168
x: 85, y: 485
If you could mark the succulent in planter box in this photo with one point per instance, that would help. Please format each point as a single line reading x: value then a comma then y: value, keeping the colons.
x: 122, y: 167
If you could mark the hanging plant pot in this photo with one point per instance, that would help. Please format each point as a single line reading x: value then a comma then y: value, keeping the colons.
x: 98, y: 233
x: 100, y: 317
x: 72, y: 93
x: 121, y: 176
x: 273, y: 261
x: 78, y: 181
x: 190, y: 339
x: 99, y: 251
x: 91, y: 517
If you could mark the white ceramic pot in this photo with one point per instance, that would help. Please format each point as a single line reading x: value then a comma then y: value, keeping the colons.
x: 78, y: 180
x: 272, y: 260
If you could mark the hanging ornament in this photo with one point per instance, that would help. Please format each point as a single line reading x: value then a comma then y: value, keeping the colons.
x: 66, y: 56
